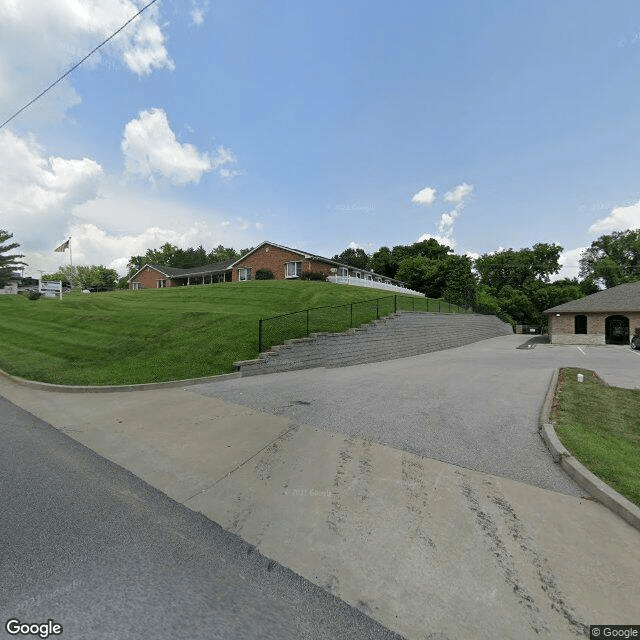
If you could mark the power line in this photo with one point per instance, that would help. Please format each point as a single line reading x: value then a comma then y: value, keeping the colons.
x: 75, y: 66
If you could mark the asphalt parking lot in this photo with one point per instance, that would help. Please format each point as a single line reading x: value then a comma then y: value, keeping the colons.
x: 475, y: 406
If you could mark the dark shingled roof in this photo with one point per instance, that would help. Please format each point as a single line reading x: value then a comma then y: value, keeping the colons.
x: 176, y: 272
x: 624, y: 298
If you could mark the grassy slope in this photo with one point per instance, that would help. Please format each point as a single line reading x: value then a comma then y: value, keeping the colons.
x: 127, y: 337
x: 600, y: 426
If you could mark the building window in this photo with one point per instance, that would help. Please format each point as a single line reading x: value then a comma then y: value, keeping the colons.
x: 343, y: 272
x: 292, y: 269
x: 161, y: 284
x: 244, y: 274
x: 136, y: 286
x: 580, y: 324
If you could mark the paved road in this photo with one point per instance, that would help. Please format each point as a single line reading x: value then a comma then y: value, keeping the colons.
x: 89, y: 545
x: 475, y: 406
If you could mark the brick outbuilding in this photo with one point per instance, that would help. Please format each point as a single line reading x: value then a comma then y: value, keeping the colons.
x: 606, y: 317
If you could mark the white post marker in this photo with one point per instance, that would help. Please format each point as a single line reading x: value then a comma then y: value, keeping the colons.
x: 580, y: 378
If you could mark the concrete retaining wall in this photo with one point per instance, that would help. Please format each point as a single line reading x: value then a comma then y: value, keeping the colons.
x: 396, y: 336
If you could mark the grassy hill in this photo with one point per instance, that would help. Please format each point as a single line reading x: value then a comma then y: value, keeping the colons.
x: 127, y: 337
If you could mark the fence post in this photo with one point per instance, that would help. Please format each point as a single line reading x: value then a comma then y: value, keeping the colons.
x: 260, y: 336
x: 438, y: 305
x: 307, y: 323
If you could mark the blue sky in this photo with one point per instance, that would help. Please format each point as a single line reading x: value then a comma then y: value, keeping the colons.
x: 487, y: 125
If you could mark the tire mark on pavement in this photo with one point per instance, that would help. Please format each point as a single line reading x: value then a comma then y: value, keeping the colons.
x: 413, y: 485
x: 547, y: 579
x: 338, y: 511
x: 502, y: 556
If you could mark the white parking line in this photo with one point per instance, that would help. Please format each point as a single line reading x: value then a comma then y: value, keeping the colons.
x: 580, y: 349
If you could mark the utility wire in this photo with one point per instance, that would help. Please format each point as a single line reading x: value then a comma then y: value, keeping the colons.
x: 75, y: 66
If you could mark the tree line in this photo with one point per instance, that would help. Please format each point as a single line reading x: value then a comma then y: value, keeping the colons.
x: 515, y: 284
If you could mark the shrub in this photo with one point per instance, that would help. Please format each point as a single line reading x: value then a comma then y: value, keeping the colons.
x: 264, y: 274
x: 312, y: 275
x: 32, y: 295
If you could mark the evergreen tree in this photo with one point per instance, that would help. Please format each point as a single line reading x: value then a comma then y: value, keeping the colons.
x: 9, y: 263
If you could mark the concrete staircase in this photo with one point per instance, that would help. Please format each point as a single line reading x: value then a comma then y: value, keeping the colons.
x: 396, y: 336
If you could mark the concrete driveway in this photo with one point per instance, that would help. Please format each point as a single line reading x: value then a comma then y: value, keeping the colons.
x: 416, y: 490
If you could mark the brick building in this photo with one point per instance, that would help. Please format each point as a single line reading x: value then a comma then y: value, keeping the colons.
x: 286, y: 263
x: 155, y: 276
x: 606, y: 317
x: 283, y: 262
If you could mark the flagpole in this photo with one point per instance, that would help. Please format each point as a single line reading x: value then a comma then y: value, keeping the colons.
x: 70, y: 261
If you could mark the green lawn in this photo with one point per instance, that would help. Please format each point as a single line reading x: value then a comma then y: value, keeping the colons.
x: 127, y: 337
x: 600, y: 426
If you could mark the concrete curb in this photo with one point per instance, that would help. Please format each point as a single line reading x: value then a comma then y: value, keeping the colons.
x: 587, y: 480
x: 64, y: 388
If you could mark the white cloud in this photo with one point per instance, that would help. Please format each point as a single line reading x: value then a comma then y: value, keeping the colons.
x: 446, y: 221
x: 150, y: 148
x: 425, y: 196
x: 570, y: 264
x: 37, y: 191
x: 458, y: 194
x: 457, y: 197
x: 620, y: 218
x: 44, y: 199
x: 65, y: 31
x: 198, y: 11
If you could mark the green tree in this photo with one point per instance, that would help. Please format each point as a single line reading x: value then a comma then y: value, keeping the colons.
x: 387, y: 261
x: 414, y: 272
x: 10, y: 262
x: 449, y: 277
x: 65, y: 273
x: 354, y: 258
x: 459, y: 283
x: 430, y: 249
x: 96, y: 277
x: 546, y: 295
x: 517, y: 268
x: 383, y: 263
x: 612, y: 259
x: 169, y: 255
x: 86, y: 276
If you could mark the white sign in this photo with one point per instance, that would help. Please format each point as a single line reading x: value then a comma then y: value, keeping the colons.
x: 49, y: 285
x: 49, y: 288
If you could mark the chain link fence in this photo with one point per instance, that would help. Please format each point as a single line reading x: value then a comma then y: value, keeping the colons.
x: 338, y: 318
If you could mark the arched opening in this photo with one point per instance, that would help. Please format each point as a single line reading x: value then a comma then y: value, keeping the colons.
x: 616, y: 330
x: 580, y: 324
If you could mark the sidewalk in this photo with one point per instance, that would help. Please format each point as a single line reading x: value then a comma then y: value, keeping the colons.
x: 422, y: 546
